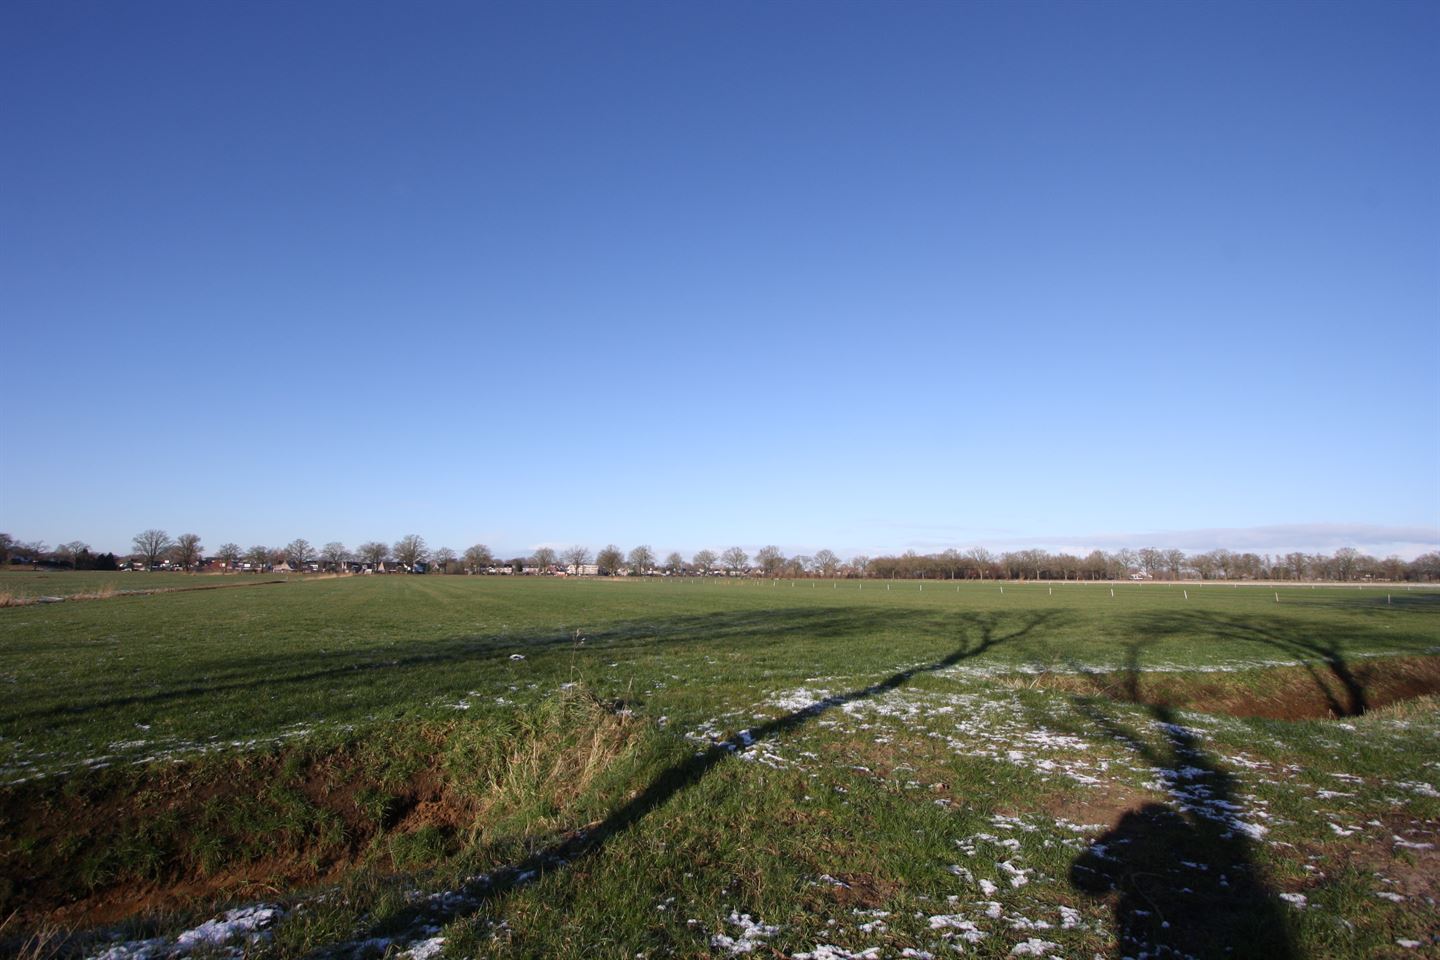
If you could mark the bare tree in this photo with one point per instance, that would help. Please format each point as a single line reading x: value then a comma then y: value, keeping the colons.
x: 1346, y: 560
x: 7, y: 544
x: 1225, y: 560
x: 410, y: 550
x: 1152, y: 561
x: 373, y: 552
x: 675, y: 563
x: 1204, y: 564
x: 35, y: 550
x: 861, y: 565
x: 575, y: 558
x: 150, y: 544
x: 770, y: 559
x: 610, y: 560
x: 477, y: 558
x: 827, y: 562
x: 1124, y: 559
x: 443, y: 557
x: 72, y: 551
x: 258, y: 557
x: 983, y: 560
x: 229, y: 554
x: 704, y: 561
x: 298, y: 552
x: 641, y: 560
x: 335, y: 555
x: 187, y: 550
x: 544, y: 558
x: 735, y: 560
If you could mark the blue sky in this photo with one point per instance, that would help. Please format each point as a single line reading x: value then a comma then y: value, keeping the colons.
x: 858, y: 276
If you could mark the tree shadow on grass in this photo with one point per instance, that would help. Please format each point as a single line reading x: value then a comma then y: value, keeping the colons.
x: 1322, y: 657
x: 1181, y: 874
x: 979, y: 633
x: 346, y: 670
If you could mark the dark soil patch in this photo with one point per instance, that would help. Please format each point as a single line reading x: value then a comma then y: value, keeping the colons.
x: 861, y: 891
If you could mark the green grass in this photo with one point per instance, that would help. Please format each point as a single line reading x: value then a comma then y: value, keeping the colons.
x: 26, y: 584
x: 373, y: 737
x: 130, y: 677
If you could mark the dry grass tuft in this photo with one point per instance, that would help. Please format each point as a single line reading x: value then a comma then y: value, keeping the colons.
x: 99, y: 593
x: 44, y: 943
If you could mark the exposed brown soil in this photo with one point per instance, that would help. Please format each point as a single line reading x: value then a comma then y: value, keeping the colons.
x: 1280, y: 693
x: 1093, y: 806
x: 1412, y: 873
x: 862, y: 891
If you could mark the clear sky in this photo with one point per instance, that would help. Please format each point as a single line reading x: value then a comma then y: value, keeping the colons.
x: 865, y: 276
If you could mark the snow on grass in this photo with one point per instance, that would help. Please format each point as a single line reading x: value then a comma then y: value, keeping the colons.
x: 827, y: 951
x: 425, y: 949
x: 243, y: 923
x: 752, y: 934
x: 967, y: 928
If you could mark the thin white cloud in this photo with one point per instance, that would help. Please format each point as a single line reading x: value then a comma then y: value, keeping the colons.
x: 1406, y: 542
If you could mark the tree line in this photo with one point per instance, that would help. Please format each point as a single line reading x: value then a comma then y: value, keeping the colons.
x: 156, y: 549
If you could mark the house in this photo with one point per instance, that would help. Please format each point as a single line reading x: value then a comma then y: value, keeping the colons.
x: 583, y: 570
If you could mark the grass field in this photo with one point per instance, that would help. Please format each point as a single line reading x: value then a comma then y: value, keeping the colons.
x: 665, y: 768
x: 30, y: 584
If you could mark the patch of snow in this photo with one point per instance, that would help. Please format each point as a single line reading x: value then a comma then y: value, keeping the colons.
x: 826, y: 951
x: 752, y: 932
x: 969, y: 932
x: 425, y: 949
x: 1411, y: 845
x: 1415, y: 786
x: 230, y: 925
x: 1018, y: 877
